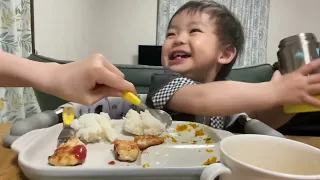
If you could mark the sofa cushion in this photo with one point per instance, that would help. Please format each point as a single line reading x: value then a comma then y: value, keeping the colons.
x: 252, y: 74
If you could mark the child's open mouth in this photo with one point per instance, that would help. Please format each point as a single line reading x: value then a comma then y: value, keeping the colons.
x: 178, y: 56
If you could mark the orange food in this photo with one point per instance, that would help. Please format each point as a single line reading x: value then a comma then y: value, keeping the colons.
x: 208, y: 141
x: 210, y: 161
x: 193, y: 125
x: 209, y: 150
x: 172, y: 138
x: 145, y: 165
x: 182, y: 127
x: 199, y: 133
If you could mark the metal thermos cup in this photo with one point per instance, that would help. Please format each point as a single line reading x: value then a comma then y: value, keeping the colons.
x: 294, y: 52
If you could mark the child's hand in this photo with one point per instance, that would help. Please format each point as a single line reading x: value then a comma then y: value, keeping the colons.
x: 88, y: 81
x: 298, y: 87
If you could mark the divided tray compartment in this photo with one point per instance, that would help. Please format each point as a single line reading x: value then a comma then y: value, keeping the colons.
x: 180, y: 157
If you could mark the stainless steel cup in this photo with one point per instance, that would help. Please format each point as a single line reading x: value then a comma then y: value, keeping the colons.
x: 294, y: 52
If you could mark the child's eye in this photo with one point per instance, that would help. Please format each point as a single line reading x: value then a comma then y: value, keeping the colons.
x: 195, y: 30
x: 169, y: 34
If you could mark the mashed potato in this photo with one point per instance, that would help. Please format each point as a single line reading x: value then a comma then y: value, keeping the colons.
x: 143, y: 123
x: 93, y: 127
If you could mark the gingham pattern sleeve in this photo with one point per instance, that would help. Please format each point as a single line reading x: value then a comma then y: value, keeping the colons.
x: 161, y: 98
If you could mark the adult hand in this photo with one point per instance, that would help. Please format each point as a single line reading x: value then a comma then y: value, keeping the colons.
x: 88, y: 81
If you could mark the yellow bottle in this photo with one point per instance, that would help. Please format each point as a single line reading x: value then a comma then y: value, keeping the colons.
x: 300, y: 108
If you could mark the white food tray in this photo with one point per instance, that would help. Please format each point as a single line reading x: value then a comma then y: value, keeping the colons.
x: 181, y: 160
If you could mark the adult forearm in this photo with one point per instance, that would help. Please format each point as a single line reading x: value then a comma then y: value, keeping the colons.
x: 223, y: 98
x: 19, y: 72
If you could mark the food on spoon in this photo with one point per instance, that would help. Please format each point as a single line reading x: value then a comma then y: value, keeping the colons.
x: 143, y: 123
x: 71, y: 153
x: 126, y: 150
x: 93, y: 127
x: 146, y: 141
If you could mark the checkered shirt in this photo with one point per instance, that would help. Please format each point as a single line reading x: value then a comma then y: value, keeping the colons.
x: 161, y: 98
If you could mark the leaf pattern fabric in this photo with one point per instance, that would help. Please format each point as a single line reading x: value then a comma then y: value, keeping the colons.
x: 253, y: 15
x: 15, y: 38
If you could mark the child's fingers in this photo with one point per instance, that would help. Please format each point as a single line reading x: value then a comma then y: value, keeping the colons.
x: 314, y: 89
x: 314, y: 78
x: 312, y: 101
x: 309, y: 68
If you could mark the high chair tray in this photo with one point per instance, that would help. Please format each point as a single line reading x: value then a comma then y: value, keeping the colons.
x: 182, y: 156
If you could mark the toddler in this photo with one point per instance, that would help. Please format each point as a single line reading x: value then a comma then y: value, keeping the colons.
x: 202, y: 43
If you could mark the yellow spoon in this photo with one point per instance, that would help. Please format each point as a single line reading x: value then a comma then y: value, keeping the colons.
x: 161, y: 115
x: 68, y: 115
x: 67, y: 132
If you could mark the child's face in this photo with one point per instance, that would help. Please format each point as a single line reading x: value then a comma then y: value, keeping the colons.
x: 191, y: 47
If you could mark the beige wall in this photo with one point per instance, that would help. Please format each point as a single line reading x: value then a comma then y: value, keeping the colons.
x: 74, y: 29
x: 289, y: 17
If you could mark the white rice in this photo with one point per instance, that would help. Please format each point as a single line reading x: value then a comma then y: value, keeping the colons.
x: 93, y: 127
x: 143, y: 123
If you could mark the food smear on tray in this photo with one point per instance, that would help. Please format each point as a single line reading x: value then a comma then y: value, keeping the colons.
x: 71, y: 153
x: 145, y: 165
x: 209, y: 150
x: 171, y: 138
x: 199, y: 132
x: 208, y: 141
x: 193, y: 125
x: 111, y: 163
x: 210, y: 161
x: 182, y: 128
x: 142, y: 123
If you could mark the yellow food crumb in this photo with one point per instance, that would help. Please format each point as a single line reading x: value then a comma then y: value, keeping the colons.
x: 145, y: 165
x: 182, y: 127
x: 208, y: 141
x: 199, y: 150
x: 209, y: 150
x: 193, y: 125
x: 172, y: 138
x: 199, y: 132
x: 210, y: 161
x: 1, y: 104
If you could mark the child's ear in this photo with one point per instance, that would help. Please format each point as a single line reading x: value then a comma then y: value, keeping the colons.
x: 227, y: 55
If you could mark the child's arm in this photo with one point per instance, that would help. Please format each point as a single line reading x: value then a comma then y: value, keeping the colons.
x: 224, y: 98
x: 230, y: 97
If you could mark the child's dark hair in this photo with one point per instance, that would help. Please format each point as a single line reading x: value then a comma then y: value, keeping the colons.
x: 228, y: 27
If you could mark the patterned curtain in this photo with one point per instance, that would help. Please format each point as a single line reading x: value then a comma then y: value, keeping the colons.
x: 253, y: 14
x: 15, y: 38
